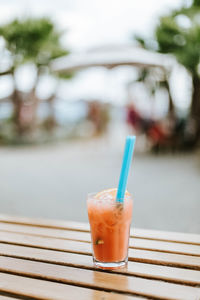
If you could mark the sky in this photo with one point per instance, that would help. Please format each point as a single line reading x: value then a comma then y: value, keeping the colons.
x: 89, y: 24
x: 93, y: 22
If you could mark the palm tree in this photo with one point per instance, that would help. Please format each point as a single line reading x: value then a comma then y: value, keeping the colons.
x: 35, y: 41
x: 178, y: 33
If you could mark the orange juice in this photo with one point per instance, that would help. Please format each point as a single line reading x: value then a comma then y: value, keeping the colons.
x: 110, y: 225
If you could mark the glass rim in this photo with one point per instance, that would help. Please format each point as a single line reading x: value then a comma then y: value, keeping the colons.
x: 91, y: 195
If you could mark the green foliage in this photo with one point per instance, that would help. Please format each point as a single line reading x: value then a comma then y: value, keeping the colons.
x: 178, y: 33
x: 196, y: 3
x: 146, y: 43
x: 34, y: 39
x: 184, y: 43
x: 69, y: 75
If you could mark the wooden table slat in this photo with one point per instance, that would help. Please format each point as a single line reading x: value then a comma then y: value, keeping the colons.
x: 85, y: 236
x: 85, y: 248
x: 77, y: 226
x: 168, y: 236
x: 41, y: 289
x: 170, y: 274
x: 8, y: 298
x: 98, y: 280
x: 46, y: 232
x: 52, y: 259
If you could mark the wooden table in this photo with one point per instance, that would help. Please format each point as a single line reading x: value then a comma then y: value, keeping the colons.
x: 45, y: 259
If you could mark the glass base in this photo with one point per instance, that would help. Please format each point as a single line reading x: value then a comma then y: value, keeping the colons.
x: 110, y: 265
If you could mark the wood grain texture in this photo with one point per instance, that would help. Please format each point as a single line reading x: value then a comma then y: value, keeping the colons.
x: 46, y: 232
x: 7, y: 297
x: 41, y: 289
x: 176, y: 237
x: 167, y: 259
x: 162, y: 246
x: 154, y: 257
x: 77, y: 226
x: 49, y: 223
x: 49, y: 259
x: 99, y: 280
x: 46, y: 243
x: 170, y: 274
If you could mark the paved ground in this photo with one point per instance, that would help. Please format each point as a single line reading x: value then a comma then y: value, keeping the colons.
x: 52, y: 181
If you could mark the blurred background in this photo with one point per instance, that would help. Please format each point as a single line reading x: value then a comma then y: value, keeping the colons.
x: 76, y: 77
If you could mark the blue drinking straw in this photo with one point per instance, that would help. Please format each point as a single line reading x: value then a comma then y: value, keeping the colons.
x: 128, y: 152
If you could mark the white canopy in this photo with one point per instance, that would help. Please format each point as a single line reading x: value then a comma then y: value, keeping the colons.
x: 109, y: 58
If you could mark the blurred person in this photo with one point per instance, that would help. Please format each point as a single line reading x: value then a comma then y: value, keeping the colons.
x: 157, y: 132
x: 98, y: 114
x: 133, y: 117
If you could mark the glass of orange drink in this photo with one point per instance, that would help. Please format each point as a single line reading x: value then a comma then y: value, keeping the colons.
x: 110, y: 228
